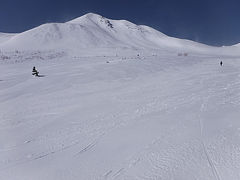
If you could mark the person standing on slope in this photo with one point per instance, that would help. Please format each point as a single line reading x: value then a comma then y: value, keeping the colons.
x: 221, y: 63
x: 34, y: 71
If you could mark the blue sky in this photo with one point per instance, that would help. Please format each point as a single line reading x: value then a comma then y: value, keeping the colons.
x: 213, y: 22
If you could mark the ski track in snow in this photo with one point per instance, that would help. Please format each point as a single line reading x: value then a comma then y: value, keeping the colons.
x: 148, y: 117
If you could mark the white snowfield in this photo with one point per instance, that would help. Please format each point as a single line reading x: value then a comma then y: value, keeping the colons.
x: 6, y: 36
x: 117, y: 101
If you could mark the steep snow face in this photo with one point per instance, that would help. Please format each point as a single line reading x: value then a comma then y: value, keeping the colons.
x: 57, y: 35
x: 93, y: 30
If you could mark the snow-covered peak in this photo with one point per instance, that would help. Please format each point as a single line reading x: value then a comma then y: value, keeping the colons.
x: 85, y: 18
x: 95, y: 31
x: 93, y: 20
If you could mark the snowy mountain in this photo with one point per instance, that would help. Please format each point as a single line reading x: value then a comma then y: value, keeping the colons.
x: 129, y: 104
x: 92, y: 30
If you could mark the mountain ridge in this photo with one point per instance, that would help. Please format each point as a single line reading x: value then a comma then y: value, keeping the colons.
x: 93, y: 31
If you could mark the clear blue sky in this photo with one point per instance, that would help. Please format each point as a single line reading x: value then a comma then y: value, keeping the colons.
x: 214, y: 22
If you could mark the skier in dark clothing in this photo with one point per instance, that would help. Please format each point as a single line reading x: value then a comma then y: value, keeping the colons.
x: 221, y: 63
x: 34, y: 71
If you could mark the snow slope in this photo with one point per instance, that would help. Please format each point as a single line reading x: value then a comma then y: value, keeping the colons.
x: 91, y: 31
x: 135, y: 117
x: 6, y: 36
x: 117, y: 113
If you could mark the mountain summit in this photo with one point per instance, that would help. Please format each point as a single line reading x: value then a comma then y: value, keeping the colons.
x: 94, y: 31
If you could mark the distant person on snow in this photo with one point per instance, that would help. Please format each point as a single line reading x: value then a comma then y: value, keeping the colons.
x: 221, y: 63
x: 34, y: 71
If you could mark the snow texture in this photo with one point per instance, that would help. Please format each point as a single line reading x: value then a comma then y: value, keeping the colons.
x: 117, y: 101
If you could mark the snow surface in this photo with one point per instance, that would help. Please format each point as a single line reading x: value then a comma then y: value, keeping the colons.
x: 91, y: 31
x: 132, y: 108
x: 6, y: 36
